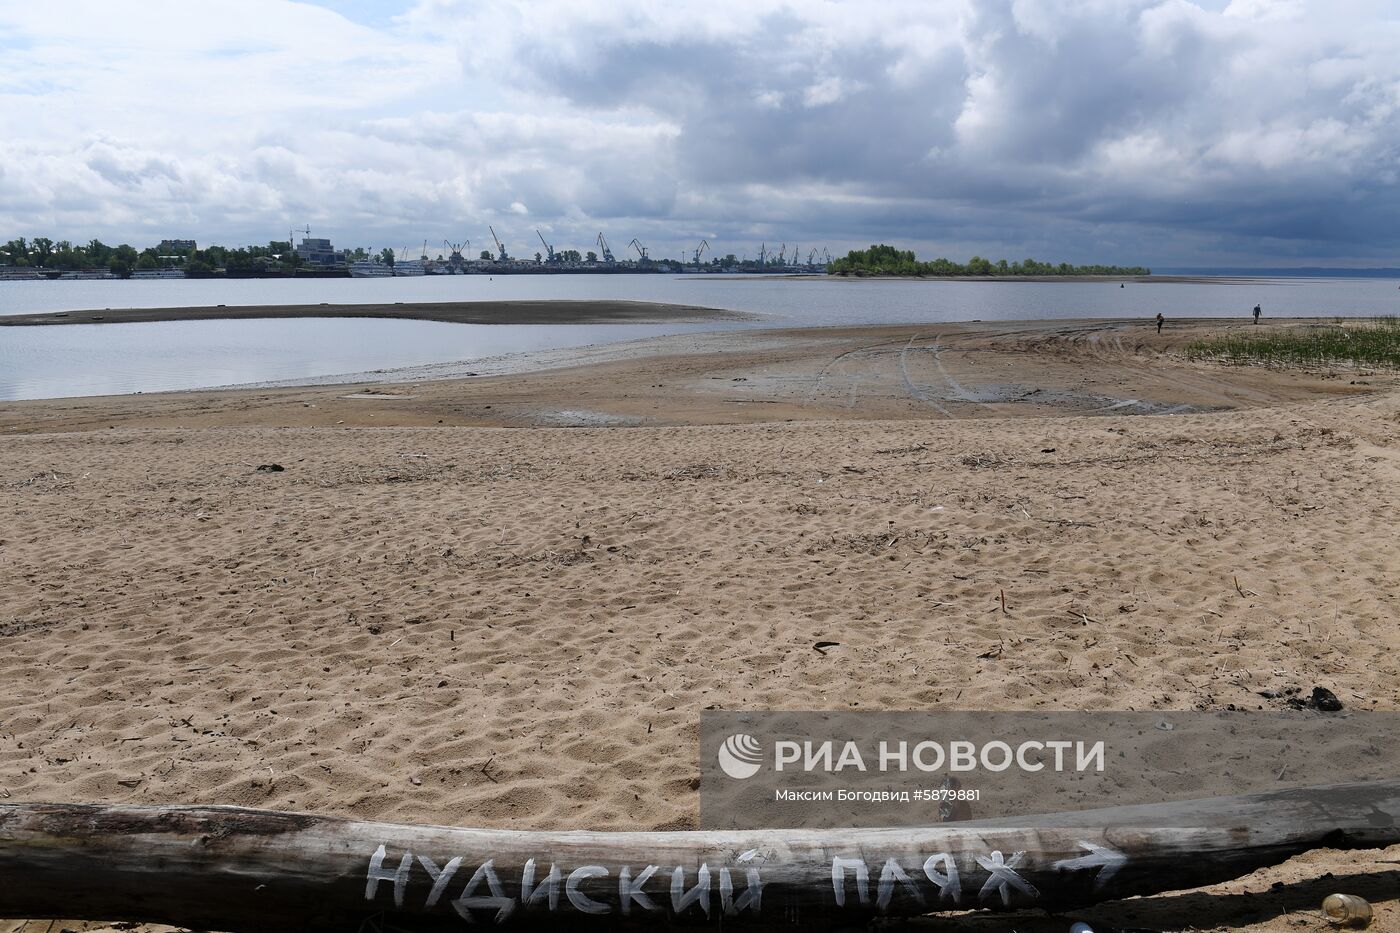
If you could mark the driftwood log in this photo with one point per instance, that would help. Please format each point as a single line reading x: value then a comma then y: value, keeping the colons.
x: 234, y: 869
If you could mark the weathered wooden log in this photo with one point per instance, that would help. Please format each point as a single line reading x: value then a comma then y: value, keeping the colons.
x: 234, y: 869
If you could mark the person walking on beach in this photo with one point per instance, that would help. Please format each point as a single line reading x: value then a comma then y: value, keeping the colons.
x: 1257, y: 312
x: 1160, y: 321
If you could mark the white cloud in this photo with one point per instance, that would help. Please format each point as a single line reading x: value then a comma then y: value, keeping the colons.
x: 991, y: 125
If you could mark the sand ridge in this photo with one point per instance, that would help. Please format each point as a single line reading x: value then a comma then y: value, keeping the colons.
x: 517, y: 311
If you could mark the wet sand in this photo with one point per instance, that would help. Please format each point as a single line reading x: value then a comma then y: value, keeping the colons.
x: 505, y: 600
x: 902, y: 372
x: 451, y: 312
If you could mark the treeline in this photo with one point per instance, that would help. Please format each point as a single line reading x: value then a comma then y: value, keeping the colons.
x: 63, y: 256
x: 886, y: 260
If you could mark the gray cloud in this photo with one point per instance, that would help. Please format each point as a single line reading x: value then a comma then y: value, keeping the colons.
x: 1152, y: 127
x: 1159, y: 131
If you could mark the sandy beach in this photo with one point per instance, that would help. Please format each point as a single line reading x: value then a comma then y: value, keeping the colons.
x: 503, y: 599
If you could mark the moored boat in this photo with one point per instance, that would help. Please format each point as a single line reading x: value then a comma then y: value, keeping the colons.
x: 370, y: 269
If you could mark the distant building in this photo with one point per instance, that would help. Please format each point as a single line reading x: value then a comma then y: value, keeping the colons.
x: 171, y: 247
x: 317, y: 252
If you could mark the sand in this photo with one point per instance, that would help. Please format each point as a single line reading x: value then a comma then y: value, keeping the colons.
x: 935, y: 372
x: 482, y: 625
x: 451, y: 312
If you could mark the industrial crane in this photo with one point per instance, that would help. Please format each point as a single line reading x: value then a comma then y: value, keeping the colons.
x: 796, y: 255
x: 456, y: 256
x: 812, y: 258
x: 763, y: 255
x: 500, y: 250
x: 547, y: 247
x: 704, y: 245
x: 641, y: 250
x: 782, y: 255
x: 603, y: 245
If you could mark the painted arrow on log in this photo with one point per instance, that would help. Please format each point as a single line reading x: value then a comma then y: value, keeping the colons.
x: 240, y: 870
x: 1105, y: 858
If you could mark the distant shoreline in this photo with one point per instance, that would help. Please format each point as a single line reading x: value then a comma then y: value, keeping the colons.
x: 1057, y: 279
x: 448, y: 312
x: 1065, y: 279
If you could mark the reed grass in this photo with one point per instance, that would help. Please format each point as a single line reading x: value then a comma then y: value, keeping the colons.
x: 1356, y: 341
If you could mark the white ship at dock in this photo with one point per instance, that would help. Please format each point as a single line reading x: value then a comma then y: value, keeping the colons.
x: 370, y: 269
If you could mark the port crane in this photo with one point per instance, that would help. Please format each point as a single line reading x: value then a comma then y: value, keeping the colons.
x: 699, y: 250
x: 547, y: 247
x: 796, y: 255
x: 603, y: 245
x: 500, y: 250
x: 782, y: 255
x: 811, y: 258
x: 641, y: 250
x: 455, y: 256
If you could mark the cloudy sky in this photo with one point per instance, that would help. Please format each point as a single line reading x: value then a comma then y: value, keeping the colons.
x: 1167, y: 132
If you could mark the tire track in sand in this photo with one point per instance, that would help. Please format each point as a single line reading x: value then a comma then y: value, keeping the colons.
x: 909, y: 384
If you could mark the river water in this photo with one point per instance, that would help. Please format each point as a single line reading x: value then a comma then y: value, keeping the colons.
x: 97, y: 359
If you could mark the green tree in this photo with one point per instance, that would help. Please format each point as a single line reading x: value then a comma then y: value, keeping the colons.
x: 886, y: 260
x: 16, y: 252
x: 485, y: 254
x: 120, y: 260
x: 386, y: 256
x: 65, y: 257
